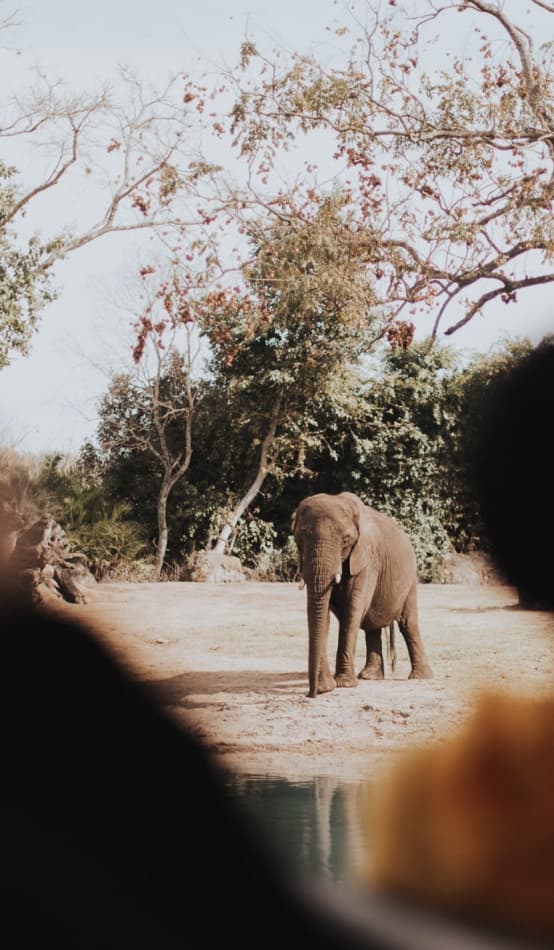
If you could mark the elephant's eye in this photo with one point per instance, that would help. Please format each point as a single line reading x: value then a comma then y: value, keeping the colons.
x: 347, y: 539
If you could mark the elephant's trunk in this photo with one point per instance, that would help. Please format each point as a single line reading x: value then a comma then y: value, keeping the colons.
x: 318, y: 628
x: 321, y: 562
x: 322, y: 565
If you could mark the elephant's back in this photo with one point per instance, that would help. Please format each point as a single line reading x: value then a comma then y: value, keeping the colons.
x: 393, y: 537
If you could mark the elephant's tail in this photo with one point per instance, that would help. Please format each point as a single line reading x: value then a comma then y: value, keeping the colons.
x: 391, y: 650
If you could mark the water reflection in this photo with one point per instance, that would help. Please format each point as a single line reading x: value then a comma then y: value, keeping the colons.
x: 316, y: 826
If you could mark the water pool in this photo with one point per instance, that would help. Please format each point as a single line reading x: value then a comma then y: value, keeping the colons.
x: 318, y: 826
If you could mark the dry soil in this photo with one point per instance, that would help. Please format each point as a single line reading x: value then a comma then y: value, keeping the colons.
x: 229, y: 661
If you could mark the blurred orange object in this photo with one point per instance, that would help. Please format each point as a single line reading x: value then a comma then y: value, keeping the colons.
x: 467, y: 825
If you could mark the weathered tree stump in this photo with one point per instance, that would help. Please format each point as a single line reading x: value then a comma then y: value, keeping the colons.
x: 39, y: 562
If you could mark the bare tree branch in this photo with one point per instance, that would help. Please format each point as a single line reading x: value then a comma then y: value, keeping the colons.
x: 449, y: 170
x: 514, y: 285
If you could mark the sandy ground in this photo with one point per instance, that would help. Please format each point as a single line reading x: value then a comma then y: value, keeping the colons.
x: 229, y: 661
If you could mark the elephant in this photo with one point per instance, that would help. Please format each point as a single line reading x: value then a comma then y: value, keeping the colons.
x: 360, y: 564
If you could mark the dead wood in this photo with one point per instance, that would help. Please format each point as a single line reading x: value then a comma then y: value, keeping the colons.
x: 40, y: 563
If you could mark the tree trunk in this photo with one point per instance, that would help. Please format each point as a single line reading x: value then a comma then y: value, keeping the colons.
x: 163, y: 531
x: 239, y: 510
x: 252, y: 491
x: 172, y: 468
x: 42, y: 564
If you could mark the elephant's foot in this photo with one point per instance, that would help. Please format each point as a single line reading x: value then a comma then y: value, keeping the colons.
x: 346, y: 680
x: 421, y: 672
x: 371, y: 673
x: 325, y: 683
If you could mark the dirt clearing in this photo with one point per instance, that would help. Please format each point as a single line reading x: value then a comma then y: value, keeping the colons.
x: 229, y: 661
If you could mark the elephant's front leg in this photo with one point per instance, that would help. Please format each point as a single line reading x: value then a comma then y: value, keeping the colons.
x: 325, y: 680
x: 350, y: 617
x: 374, y: 668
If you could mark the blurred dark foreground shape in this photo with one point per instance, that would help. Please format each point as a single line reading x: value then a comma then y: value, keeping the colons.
x: 466, y: 826
x: 116, y: 831
x: 116, y: 828
x: 514, y: 475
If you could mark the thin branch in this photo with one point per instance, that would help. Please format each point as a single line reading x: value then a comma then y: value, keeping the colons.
x: 50, y: 182
x: 544, y: 5
x: 514, y: 285
x: 524, y: 46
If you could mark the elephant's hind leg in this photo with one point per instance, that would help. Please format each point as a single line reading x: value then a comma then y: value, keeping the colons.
x: 374, y: 668
x: 409, y: 627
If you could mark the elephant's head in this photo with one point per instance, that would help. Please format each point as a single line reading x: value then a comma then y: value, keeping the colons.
x: 333, y: 537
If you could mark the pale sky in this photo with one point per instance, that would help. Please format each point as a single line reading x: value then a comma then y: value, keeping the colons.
x: 47, y: 400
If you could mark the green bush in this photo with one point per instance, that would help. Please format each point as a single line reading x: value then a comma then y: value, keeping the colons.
x: 110, y: 542
x: 277, y: 564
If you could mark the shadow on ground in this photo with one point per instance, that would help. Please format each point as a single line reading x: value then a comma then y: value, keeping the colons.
x: 175, y: 690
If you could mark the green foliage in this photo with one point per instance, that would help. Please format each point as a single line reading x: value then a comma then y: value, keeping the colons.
x: 126, y: 408
x: 140, y: 447
x: 307, y: 315
x: 393, y: 449
x: 401, y: 435
x: 409, y: 450
x: 253, y: 538
x: 278, y: 347
x: 404, y: 446
x: 24, y: 287
x: 277, y: 563
x: 101, y: 530
x: 103, y: 533
x: 197, y: 516
x: 404, y: 441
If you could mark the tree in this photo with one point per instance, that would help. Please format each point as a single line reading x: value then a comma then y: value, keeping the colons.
x: 403, y: 448
x: 152, y: 412
x: 284, y: 339
x: 406, y: 439
x: 131, y: 150
x: 449, y: 157
x: 392, y: 445
x: 130, y: 473
x: 24, y: 287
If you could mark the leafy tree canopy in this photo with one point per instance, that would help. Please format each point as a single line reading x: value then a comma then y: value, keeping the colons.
x: 447, y: 155
x: 24, y: 287
x: 305, y: 314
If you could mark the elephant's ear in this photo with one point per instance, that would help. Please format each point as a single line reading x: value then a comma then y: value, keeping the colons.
x: 361, y: 553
